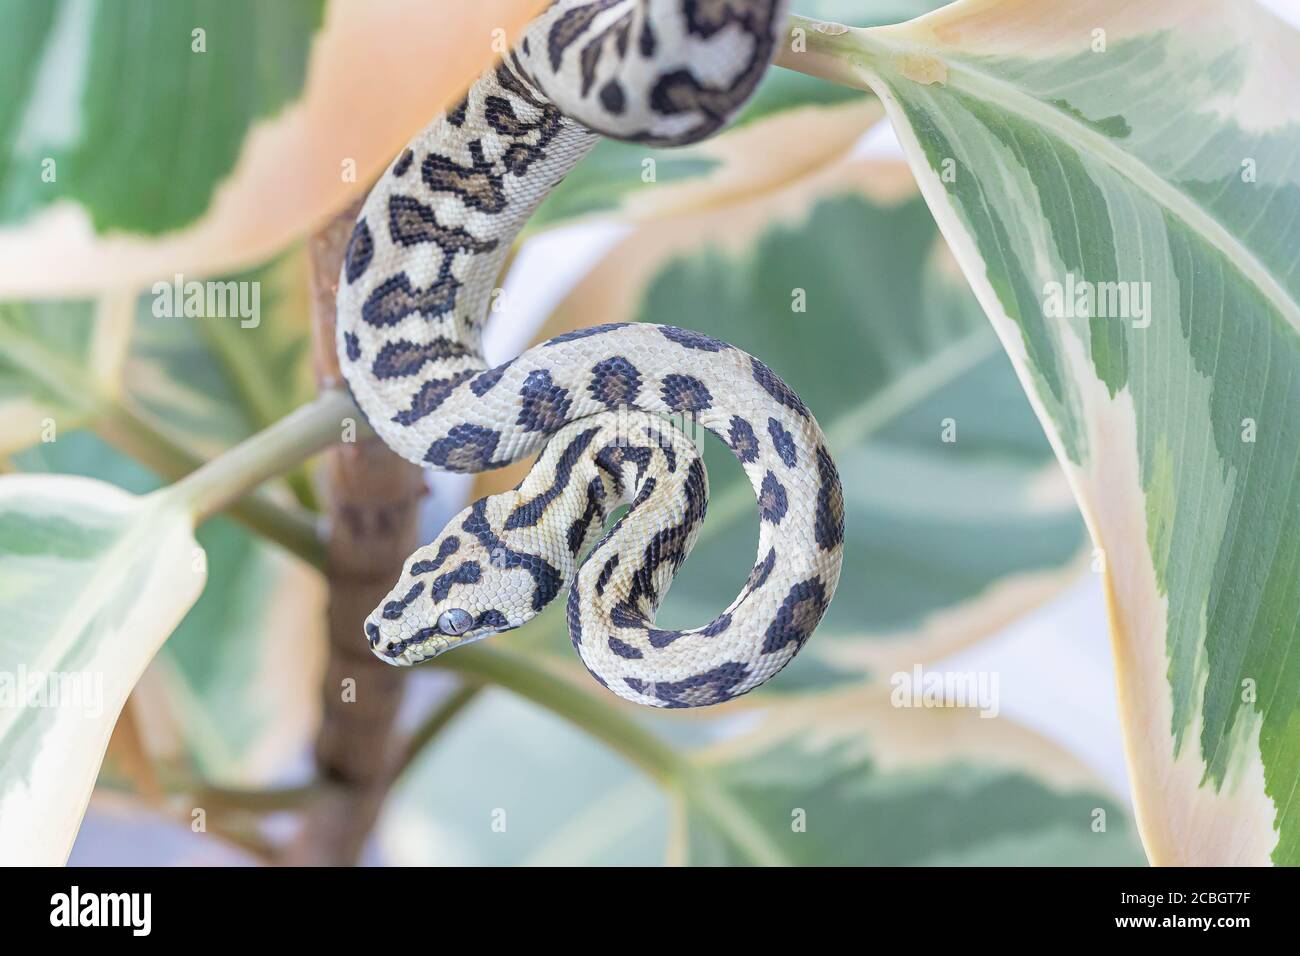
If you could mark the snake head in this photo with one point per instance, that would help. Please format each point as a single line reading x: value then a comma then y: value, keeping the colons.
x: 450, y: 593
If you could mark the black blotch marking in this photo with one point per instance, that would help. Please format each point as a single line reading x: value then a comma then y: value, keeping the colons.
x: 528, y: 514
x: 662, y: 638
x: 613, y: 98
x: 545, y: 405
x: 798, y: 616
x: 353, y: 346
x: 450, y: 545
x: 606, y: 572
x: 662, y: 442
x: 546, y: 577
x: 615, y: 381
x: 494, y: 619
x: 479, y: 184
x: 783, y: 441
x: 690, y: 339
x: 393, y: 609
x: 624, y: 650
x: 486, y: 381
x: 457, y: 116
x: 759, y: 575
x: 411, y: 222
x: 709, y: 687
x: 361, y: 249
x: 647, y: 43
x: 685, y: 393
x: 828, y: 527
x: 402, y: 358
x: 573, y: 618
x: 594, y: 511
x: 403, y: 163
x: 772, y: 500
x: 430, y: 396
x: 467, y: 448
x: 394, y: 299
x: 585, y: 333
x: 774, y: 386
x: 612, y: 458
x: 467, y: 573
x: 742, y: 439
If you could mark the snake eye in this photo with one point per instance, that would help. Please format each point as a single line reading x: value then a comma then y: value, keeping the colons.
x: 455, y: 622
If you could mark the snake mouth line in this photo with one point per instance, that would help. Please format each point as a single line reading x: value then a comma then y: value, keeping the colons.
x: 420, y: 646
x: 426, y: 644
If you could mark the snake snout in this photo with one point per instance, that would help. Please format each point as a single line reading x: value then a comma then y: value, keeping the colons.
x: 400, y: 647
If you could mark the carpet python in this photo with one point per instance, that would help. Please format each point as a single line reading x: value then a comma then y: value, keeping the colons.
x: 413, y: 297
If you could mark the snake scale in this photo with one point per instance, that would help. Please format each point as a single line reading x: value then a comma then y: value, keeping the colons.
x: 413, y: 297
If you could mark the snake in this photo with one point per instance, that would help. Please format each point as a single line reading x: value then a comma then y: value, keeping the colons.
x: 606, y: 409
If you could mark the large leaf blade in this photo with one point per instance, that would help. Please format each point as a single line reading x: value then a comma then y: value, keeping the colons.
x: 92, y: 581
x: 217, y: 158
x: 1155, y: 152
x: 845, y: 779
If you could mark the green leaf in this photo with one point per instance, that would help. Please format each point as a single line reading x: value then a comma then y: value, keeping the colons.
x: 793, y: 134
x: 75, y: 75
x: 200, y: 384
x: 142, y: 138
x: 1153, y: 145
x: 946, y: 539
x: 849, y: 780
x: 240, y: 670
x: 210, y: 382
x: 92, y: 580
x: 60, y: 362
x: 852, y: 780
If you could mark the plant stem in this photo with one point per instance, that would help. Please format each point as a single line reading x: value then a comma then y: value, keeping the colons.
x: 259, y: 394
x: 832, y: 51
x: 300, y: 434
x: 532, y: 680
x: 293, y: 529
x: 434, y: 724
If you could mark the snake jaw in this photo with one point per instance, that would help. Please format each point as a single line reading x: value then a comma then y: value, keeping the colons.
x: 407, y: 645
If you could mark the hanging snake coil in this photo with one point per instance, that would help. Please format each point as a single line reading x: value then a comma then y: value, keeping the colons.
x: 413, y: 296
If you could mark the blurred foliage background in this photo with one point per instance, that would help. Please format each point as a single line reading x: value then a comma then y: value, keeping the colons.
x: 947, y: 541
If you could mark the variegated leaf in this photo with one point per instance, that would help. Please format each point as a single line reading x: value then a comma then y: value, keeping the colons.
x: 110, y: 179
x: 1120, y: 181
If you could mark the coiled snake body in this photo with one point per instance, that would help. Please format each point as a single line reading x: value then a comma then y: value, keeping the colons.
x: 413, y: 296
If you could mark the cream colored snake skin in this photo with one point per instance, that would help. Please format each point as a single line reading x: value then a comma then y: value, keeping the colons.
x: 413, y: 297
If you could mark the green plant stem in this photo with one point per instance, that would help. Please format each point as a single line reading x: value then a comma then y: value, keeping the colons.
x: 258, y: 393
x: 254, y: 801
x: 296, y: 437
x: 831, y: 51
x: 434, y: 724
x: 608, y: 722
x: 532, y: 680
x: 293, y: 529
